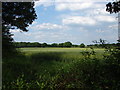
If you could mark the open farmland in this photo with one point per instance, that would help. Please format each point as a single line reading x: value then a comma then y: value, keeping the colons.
x: 64, y: 52
x: 69, y: 50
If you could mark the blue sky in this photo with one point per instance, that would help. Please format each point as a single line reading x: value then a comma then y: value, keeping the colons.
x: 77, y: 21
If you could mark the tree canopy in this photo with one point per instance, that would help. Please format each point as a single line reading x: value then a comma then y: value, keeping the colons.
x: 113, y: 7
x: 15, y: 15
x: 18, y: 14
x: 82, y: 45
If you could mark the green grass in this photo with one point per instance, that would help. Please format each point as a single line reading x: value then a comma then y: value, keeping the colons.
x: 58, y: 49
x: 58, y: 68
x: 66, y: 53
x: 67, y: 50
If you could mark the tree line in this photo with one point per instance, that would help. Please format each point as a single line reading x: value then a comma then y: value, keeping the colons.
x: 65, y: 44
x: 113, y: 45
x: 37, y: 44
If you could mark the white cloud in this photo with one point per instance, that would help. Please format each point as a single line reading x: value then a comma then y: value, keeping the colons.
x: 113, y: 27
x: 100, y: 31
x: 73, y: 6
x: 77, y: 1
x: 70, y: 4
x: 96, y: 12
x: 79, y: 20
x: 105, y: 18
x: 45, y: 3
x: 47, y: 26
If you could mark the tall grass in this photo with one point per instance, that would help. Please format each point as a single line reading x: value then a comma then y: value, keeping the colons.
x: 88, y: 69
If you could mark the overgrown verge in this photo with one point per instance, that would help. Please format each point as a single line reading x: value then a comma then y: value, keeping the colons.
x: 52, y: 70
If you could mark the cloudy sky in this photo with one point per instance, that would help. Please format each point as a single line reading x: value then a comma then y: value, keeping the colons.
x: 77, y: 21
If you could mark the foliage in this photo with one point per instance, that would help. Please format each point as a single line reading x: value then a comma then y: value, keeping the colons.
x: 18, y: 14
x: 70, y: 45
x: 37, y: 44
x: 82, y: 45
x: 54, y: 45
x: 113, y: 7
x: 44, y: 45
x: 15, y: 15
x: 111, y: 68
x: 58, y: 70
x: 7, y: 42
x: 67, y: 44
x: 101, y: 42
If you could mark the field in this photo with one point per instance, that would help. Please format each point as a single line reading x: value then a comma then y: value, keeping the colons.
x: 62, y: 50
x: 58, y: 49
x: 59, y: 68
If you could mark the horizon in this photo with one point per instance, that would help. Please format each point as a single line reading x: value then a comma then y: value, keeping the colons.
x: 66, y: 41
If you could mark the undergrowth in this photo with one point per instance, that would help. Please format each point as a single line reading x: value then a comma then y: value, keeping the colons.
x: 62, y: 70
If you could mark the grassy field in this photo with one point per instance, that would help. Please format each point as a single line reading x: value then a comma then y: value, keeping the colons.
x: 58, y: 68
x: 58, y: 49
x: 62, y: 50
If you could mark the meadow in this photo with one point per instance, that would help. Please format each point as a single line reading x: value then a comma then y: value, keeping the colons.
x: 58, y: 49
x: 59, y: 68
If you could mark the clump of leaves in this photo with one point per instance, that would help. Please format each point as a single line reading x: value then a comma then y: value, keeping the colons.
x: 88, y: 54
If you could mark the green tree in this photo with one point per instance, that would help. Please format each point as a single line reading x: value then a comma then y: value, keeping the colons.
x: 15, y: 15
x: 101, y: 42
x: 75, y: 45
x: 82, y: 45
x: 44, y: 45
x: 67, y: 44
x: 54, y: 45
x: 36, y: 44
x: 60, y: 44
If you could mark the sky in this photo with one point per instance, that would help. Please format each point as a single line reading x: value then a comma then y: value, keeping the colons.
x: 77, y: 21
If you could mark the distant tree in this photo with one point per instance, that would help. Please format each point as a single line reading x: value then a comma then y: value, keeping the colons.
x: 54, y: 45
x: 49, y: 45
x: 60, y: 44
x: 101, y: 42
x: 67, y: 44
x: 118, y: 41
x: 82, y: 45
x: 36, y: 44
x: 95, y: 41
x: 44, y: 45
x: 15, y: 15
x: 74, y: 45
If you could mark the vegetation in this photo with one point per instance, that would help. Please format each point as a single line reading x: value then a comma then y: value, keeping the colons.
x: 54, y: 68
x: 82, y: 45
x: 15, y: 15
x: 65, y: 44
x: 50, y: 68
x: 37, y: 44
